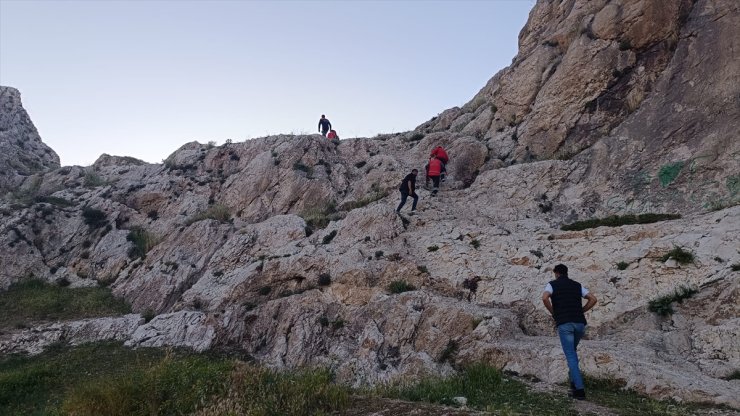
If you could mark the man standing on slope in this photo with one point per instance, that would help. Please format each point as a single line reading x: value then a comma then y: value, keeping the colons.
x: 324, y: 125
x: 562, y: 297
x: 408, y: 187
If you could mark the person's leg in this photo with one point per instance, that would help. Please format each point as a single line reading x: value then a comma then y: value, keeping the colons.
x: 404, y: 195
x: 435, y: 184
x: 416, y: 199
x: 567, y: 335
x: 444, y: 171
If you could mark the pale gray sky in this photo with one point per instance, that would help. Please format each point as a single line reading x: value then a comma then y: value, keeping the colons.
x: 140, y: 78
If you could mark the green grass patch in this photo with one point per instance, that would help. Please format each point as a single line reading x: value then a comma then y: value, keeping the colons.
x: 663, y: 305
x: 680, y: 255
x: 318, y: 217
x: 618, y: 220
x: 93, y: 180
x: 142, y: 240
x: 216, y: 212
x: 433, y: 248
x: 475, y: 244
x: 486, y: 388
x: 622, y: 265
x: 611, y: 394
x: 668, y: 173
x: 400, y: 286
x: 94, y: 218
x: 33, y: 300
x: 367, y: 200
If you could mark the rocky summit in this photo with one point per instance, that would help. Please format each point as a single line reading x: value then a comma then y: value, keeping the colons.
x: 288, y: 249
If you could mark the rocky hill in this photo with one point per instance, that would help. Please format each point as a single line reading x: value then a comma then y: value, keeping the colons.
x: 288, y: 248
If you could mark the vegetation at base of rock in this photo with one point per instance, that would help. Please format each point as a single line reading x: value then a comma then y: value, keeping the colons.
x: 680, y: 255
x: 148, y: 315
x: 663, y: 305
x: 365, y: 201
x: 622, y: 265
x: 142, y: 241
x: 94, y: 218
x: 618, y: 220
x: 735, y: 267
x: 485, y: 388
x: 33, y: 300
x: 216, y: 212
x: 93, y: 180
x: 625, y: 402
x: 668, y: 173
x: 400, y: 286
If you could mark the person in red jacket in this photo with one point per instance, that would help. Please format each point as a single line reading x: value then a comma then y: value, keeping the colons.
x: 434, y: 170
x: 439, y: 153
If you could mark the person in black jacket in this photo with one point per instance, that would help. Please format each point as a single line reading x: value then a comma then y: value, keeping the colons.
x: 324, y: 125
x: 408, y: 187
x: 562, y: 297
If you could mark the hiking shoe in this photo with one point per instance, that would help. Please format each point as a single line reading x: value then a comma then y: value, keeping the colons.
x: 572, y: 388
x: 579, y: 394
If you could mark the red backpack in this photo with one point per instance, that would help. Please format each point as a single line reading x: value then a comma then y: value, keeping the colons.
x: 440, y: 154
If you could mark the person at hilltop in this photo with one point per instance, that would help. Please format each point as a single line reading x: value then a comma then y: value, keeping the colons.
x: 333, y: 136
x: 439, y: 153
x: 433, y: 170
x: 324, y: 125
x: 562, y: 298
x: 408, y: 187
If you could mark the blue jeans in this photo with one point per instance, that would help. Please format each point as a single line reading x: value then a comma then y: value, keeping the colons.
x: 570, y: 334
x: 404, y: 195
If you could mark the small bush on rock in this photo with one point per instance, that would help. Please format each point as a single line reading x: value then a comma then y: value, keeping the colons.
x: 622, y: 265
x: 617, y: 221
x: 143, y: 242
x: 94, y: 218
x: 400, y: 286
x: 663, y: 305
x: 216, y: 212
x: 680, y: 255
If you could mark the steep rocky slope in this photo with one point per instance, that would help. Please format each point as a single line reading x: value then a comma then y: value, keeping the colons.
x: 284, y: 247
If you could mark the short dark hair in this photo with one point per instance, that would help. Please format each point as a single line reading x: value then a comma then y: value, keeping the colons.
x: 561, y: 269
x: 415, y: 170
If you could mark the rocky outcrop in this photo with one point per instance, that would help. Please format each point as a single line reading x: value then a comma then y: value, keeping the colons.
x: 286, y: 247
x: 22, y: 153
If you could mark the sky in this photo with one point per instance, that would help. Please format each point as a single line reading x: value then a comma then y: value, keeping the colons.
x: 141, y: 78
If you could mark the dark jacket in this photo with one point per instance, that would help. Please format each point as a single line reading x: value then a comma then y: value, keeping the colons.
x: 324, y: 124
x: 566, y: 298
x: 410, y: 178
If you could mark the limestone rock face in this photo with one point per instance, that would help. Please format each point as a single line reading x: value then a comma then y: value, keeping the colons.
x: 22, y: 152
x: 288, y: 247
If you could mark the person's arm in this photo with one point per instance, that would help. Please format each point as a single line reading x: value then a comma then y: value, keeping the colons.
x: 329, y: 124
x: 411, y: 189
x: 590, y: 302
x: 546, y: 300
x: 319, y: 126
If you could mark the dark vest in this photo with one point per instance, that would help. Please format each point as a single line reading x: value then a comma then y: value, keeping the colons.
x: 566, y: 301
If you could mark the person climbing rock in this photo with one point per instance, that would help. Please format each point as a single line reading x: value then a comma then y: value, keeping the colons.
x: 434, y: 170
x: 439, y: 153
x: 324, y: 125
x: 408, y: 187
x: 562, y: 298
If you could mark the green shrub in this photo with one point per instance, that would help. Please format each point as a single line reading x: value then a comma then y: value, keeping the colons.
x: 735, y: 375
x: 93, y: 180
x: 617, y: 221
x: 475, y: 244
x: 33, y: 300
x: 264, y: 290
x: 148, y: 315
x: 302, y: 168
x: 324, y: 279
x: 216, y: 212
x: 367, y: 200
x: 613, y: 394
x: 422, y: 269
x: 663, y: 305
x: 94, y: 218
x: 622, y: 265
x: 432, y: 248
x: 327, y: 238
x: 379, y: 254
x: 485, y: 388
x: 680, y: 255
x: 318, y: 217
x: 735, y: 267
x: 448, y: 352
x: 668, y: 173
x: 400, y: 286
x: 142, y: 240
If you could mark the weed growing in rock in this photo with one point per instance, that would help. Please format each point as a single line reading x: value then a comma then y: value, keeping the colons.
x: 142, y: 241
x: 618, y: 221
x: 318, y: 217
x: 735, y: 267
x: 680, y: 255
x: 94, y: 218
x: 668, y: 173
x: 264, y: 290
x: 400, y: 286
x: 449, y: 351
x: 327, y: 238
x: 735, y: 375
x: 622, y: 265
x: 324, y: 279
x: 415, y: 137
x: 93, y: 180
x: 216, y: 212
x: 475, y: 244
x: 422, y: 269
x: 148, y: 315
x: 378, y: 254
x: 663, y: 305
x: 432, y: 248
x: 367, y: 200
